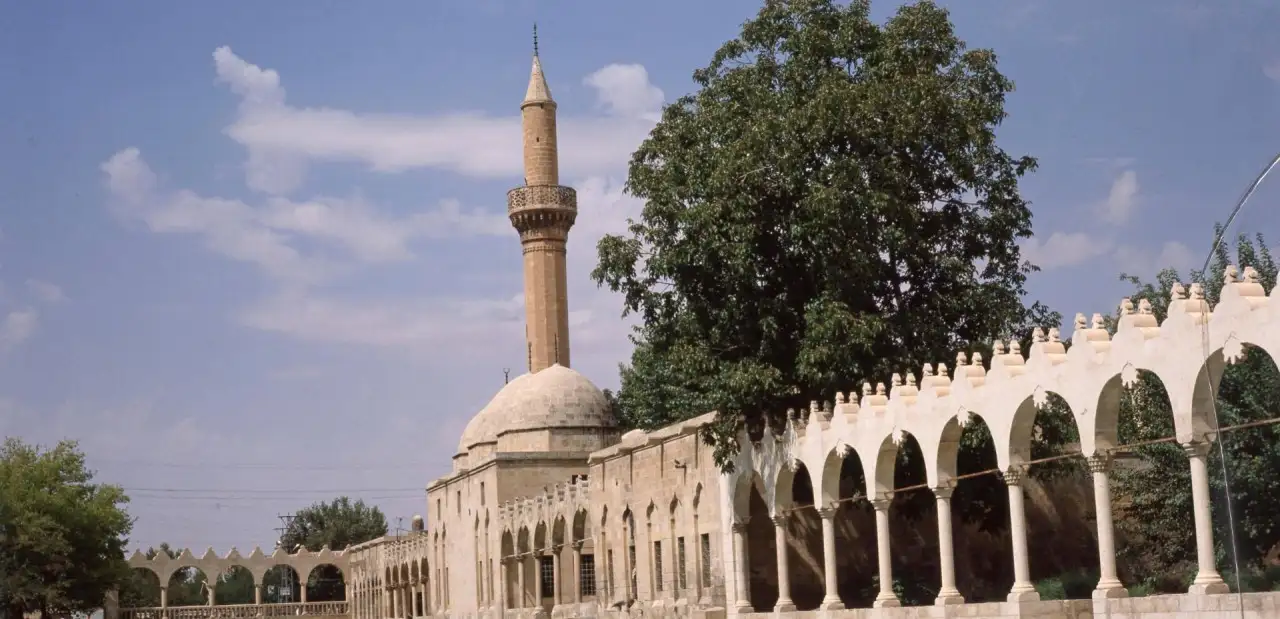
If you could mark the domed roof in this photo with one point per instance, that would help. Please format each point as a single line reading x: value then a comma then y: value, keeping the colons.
x: 555, y: 397
x: 483, y: 428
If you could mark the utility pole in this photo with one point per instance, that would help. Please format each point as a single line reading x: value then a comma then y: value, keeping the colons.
x: 286, y: 585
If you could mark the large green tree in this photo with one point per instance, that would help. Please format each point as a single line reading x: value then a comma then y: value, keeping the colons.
x: 62, y: 536
x: 1157, y: 528
x: 829, y: 205
x: 337, y: 524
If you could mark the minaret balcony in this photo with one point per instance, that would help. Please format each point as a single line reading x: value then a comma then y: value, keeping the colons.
x: 542, y: 198
x: 539, y: 211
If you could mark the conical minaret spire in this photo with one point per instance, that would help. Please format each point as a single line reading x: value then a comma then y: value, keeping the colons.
x: 542, y: 212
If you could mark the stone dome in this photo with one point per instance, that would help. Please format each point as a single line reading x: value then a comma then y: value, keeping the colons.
x: 483, y: 428
x: 555, y: 397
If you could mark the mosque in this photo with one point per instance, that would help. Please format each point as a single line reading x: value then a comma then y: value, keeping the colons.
x: 551, y: 511
x: 517, y: 523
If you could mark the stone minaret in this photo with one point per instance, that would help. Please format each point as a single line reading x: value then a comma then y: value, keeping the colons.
x: 542, y: 212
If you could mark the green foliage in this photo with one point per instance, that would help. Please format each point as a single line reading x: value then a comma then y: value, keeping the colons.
x: 337, y: 524
x: 830, y: 204
x: 62, y: 536
x: 1157, y: 526
x: 141, y: 589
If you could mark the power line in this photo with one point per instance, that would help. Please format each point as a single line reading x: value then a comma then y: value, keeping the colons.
x: 262, y: 465
x: 274, y: 491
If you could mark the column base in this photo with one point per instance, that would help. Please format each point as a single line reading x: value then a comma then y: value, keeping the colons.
x: 744, y: 607
x: 1023, y: 593
x: 886, y: 600
x: 784, y: 606
x: 831, y: 603
x: 948, y: 598
x: 1110, y: 590
x: 1208, y: 585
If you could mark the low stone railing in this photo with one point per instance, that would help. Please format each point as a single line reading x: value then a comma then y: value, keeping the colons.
x: 238, y: 611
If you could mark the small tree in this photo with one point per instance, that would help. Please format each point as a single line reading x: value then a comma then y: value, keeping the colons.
x: 62, y: 537
x: 337, y: 524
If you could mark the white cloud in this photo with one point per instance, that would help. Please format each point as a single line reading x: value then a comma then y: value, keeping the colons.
x: 17, y: 326
x: 282, y: 140
x: 268, y: 235
x: 625, y: 90
x: 1147, y: 262
x: 1123, y: 198
x: 1272, y: 70
x: 1064, y: 249
x: 46, y: 292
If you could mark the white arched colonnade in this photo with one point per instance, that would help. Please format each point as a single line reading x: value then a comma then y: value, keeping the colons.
x: 1187, y: 352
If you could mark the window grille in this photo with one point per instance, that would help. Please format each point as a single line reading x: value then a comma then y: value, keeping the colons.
x: 706, y: 558
x: 682, y: 580
x: 587, y: 575
x: 547, y: 572
x: 657, y: 565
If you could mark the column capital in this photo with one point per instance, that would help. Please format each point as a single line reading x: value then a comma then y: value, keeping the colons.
x: 1196, y: 449
x: 740, y: 525
x: 556, y: 548
x: 882, y: 502
x: 944, y: 492
x: 1014, y: 475
x: 1099, y: 463
x: 827, y: 513
x: 779, y: 520
x: 577, y: 546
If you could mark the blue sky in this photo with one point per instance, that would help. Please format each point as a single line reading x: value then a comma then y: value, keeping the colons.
x: 254, y: 247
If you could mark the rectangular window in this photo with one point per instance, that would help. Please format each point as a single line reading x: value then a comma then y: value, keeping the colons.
x: 706, y: 559
x: 459, y: 502
x: 682, y: 581
x: 657, y: 565
x: 587, y: 575
x: 547, y: 576
x: 481, y: 494
x: 634, y: 592
x: 608, y: 571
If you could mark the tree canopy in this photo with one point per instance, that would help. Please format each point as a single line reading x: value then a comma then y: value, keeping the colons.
x: 62, y: 536
x: 337, y: 524
x: 829, y: 206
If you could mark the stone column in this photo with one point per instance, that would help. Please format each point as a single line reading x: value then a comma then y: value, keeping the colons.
x: 743, y: 603
x: 830, y: 601
x: 1023, y: 590
x: 212, y: 588
x: 1109, y: 585
x: 784, y: 573
x: 886, y: 598
x: 555, y: 574
x: 947, y: 593
x: 504, y: 566
x: 302, y: 589
x: 164, y: 596
x: 257, y: 593
x: 1207, y: 581
x: 520, y: 567
x: 577, y: 573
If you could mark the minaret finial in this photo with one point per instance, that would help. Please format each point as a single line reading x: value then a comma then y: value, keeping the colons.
x: 535, y: 39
